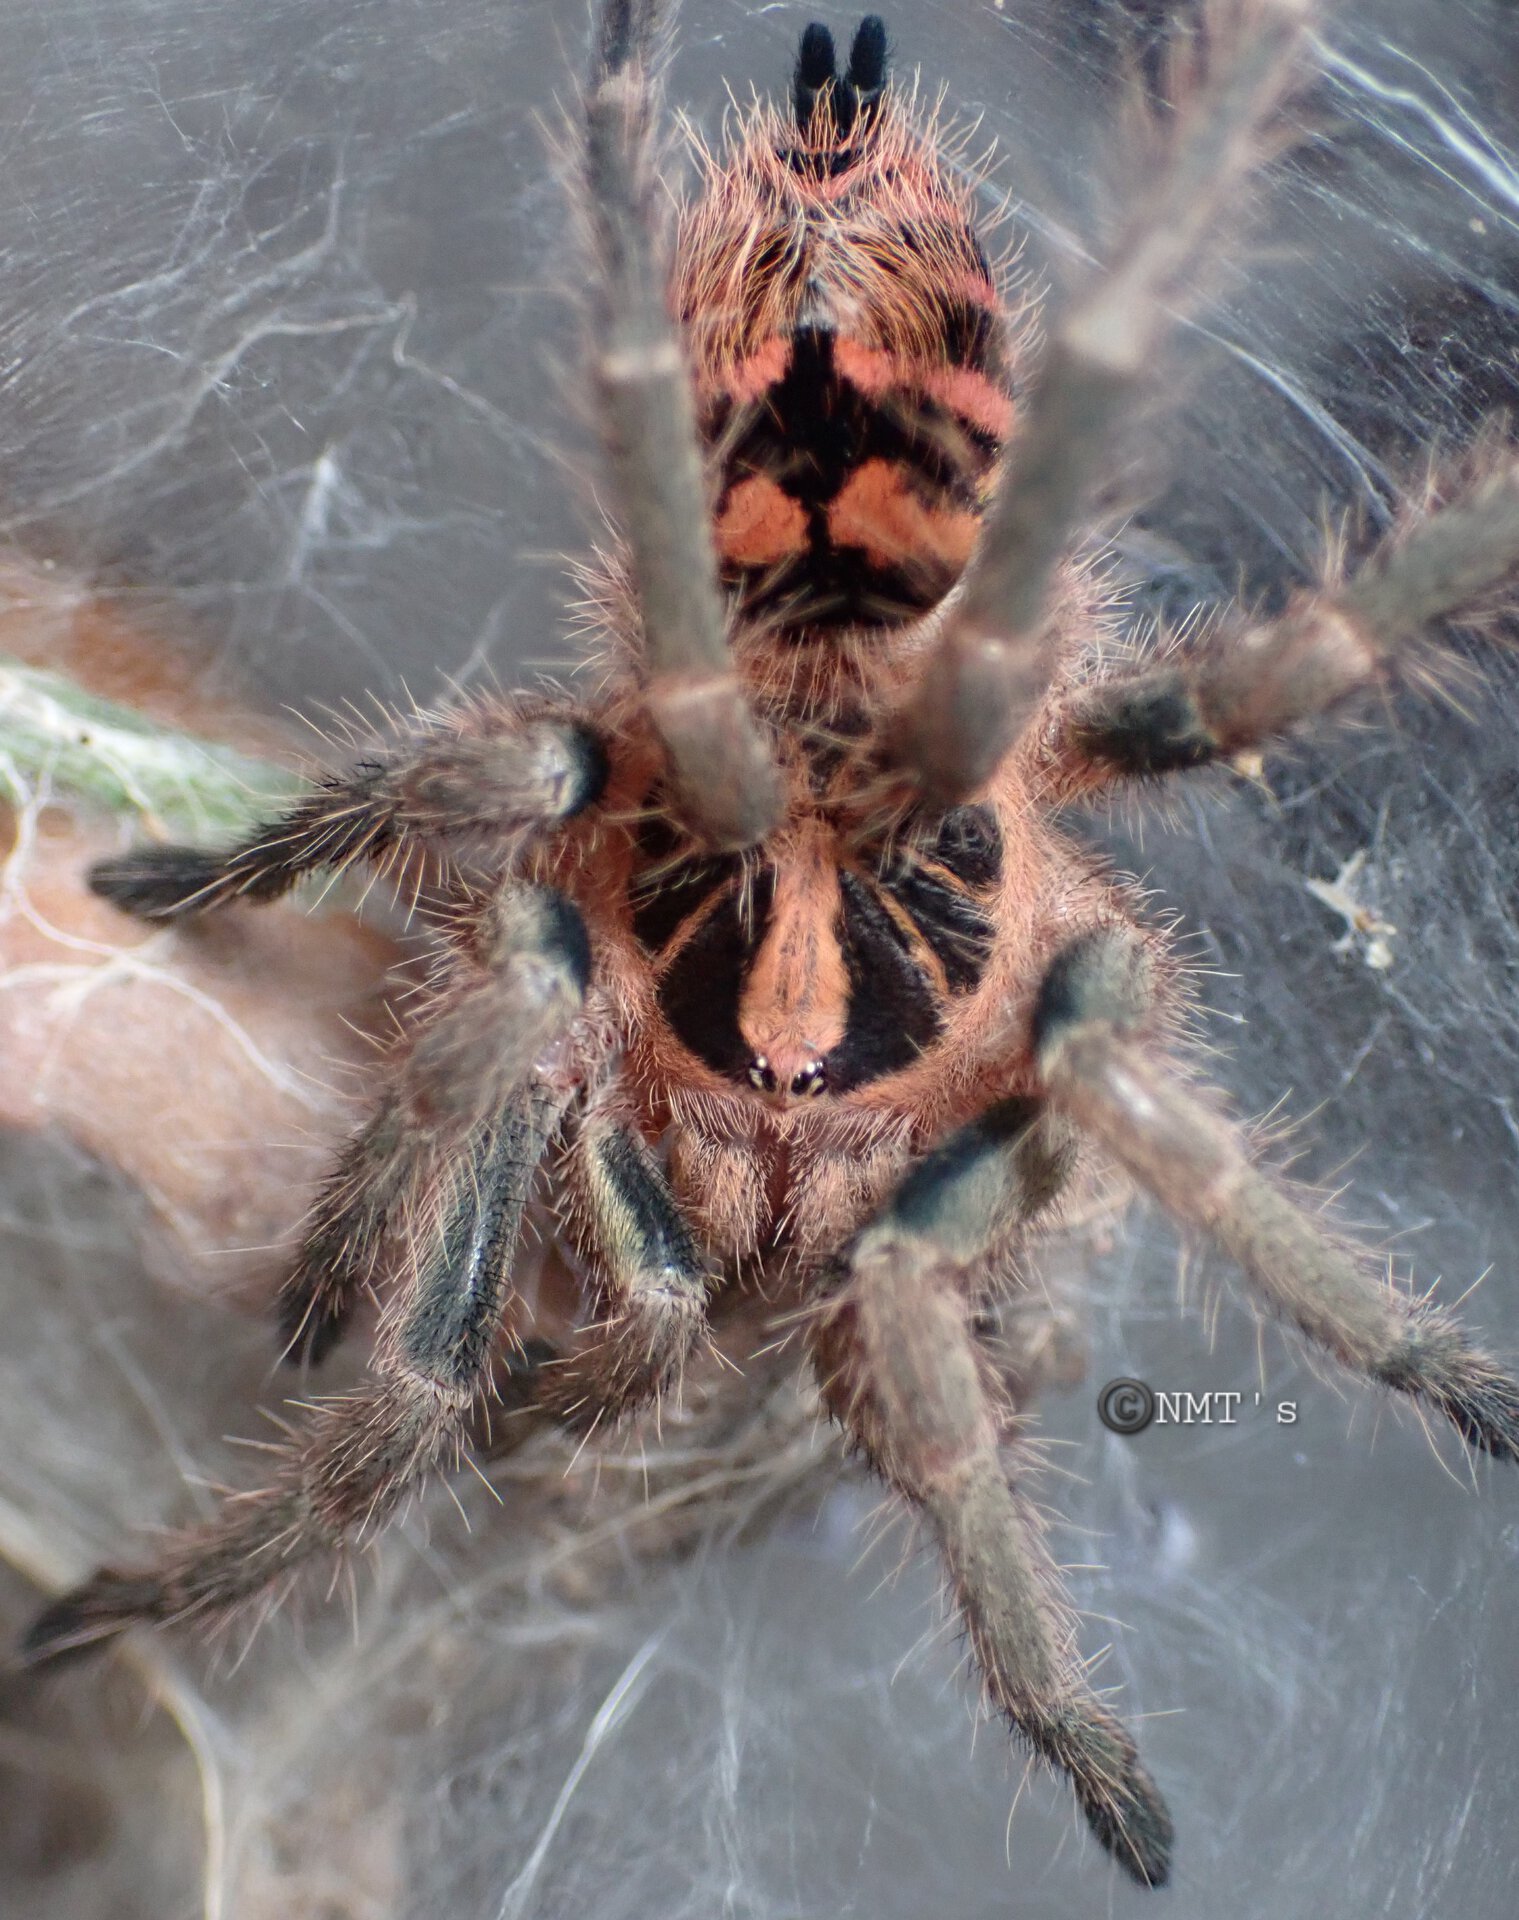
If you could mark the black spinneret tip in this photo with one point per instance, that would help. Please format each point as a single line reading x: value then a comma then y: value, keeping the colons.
x: 868, y: 57
x: 857, y: 94
x: 865, y: 80
x: 815, y: 70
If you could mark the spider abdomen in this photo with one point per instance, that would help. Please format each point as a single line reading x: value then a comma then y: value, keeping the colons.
x: 852, y: 357
x: 851, y: 495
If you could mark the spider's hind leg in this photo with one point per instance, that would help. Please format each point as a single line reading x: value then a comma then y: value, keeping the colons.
x: 901, y: 1368
x: 1199, y: 1167
x: 481, y: 774
x: 996, y: 653
x: 726, y: 785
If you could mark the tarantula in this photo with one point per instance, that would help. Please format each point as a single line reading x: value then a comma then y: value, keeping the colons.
x: 772, y: 941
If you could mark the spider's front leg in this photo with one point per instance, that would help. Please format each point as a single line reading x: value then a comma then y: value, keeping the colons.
x: 647, y: 1275
x: 481, y: 775
x: 485, y: 775
x: 901, y: 1368
x: 508, y: 990
x: 1091, y: 1006
x: 359, y: 1455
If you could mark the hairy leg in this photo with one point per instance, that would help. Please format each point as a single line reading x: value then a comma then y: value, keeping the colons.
x: 1199, y: 1167
x: 994, y: 659
x: 503, y: 1000
x: 1230, y: 690
x: 647, y: 1274
x: 901, y: 1368
x: 342, y: 1477
x: 479, y: 774
x: 726, y: 785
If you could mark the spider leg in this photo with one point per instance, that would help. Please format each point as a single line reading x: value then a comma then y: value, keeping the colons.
x: 726, y: 783
x: 900, y: 1367
x: 650, y: 1280
x: 359, y: 1455
x: 477, y: 774
x: 1200, y: 1169
x: 995, y: 655
x: 1227, y: 691
x: 522, y: 983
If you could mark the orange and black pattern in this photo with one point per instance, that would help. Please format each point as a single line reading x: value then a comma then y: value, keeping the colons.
x: 876, y: 947
x: 850, y: 350
x: 851, y: 353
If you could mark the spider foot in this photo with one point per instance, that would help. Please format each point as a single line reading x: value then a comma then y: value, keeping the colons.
x: 159, y: 883
x: 1122, y: 1804
x: 623, y: 1362
x: 1438, y: 1364
x: 97, y: 1610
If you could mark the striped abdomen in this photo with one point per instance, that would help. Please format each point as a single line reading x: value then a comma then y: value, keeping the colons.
x: 852, y: 490
x: 853, y: 363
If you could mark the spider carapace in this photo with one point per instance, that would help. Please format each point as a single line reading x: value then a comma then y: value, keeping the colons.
x: 770, y: 946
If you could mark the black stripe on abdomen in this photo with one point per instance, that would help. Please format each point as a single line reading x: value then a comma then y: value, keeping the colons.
x: 809, y: 436
x: 813, y: 429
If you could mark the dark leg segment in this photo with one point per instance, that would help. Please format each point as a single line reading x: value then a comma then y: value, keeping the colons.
x: 899, y: 1366
x: 726, y: 782
x: 649, y: 1278
x: 475, y: 776
x: 1228, y: 691
x: 499, y: 1007
x: 1199, y: 1167
x: 360, y: 1455
x: 995, y: 656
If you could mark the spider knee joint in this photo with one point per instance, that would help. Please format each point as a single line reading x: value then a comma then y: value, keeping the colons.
x: 540, y: 934
x: 979, y: 1184
x: 1103, y: 979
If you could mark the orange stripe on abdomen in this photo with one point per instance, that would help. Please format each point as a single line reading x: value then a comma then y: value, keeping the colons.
x: 880, y: 512
x: 974, y: 396
x: 759, y: 525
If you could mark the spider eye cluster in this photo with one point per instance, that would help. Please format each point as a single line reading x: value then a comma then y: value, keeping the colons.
x: 807, y: 1082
